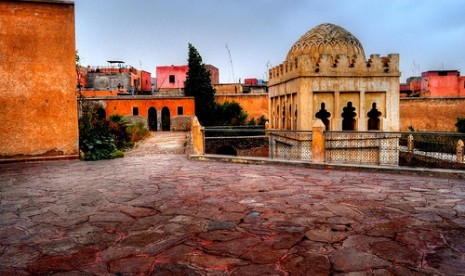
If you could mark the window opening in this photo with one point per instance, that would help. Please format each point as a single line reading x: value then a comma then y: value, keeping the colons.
x: 374, y: 121
x: 135, y: 111
x: 180, y: 110
x: 323, y: 115
x: 172, y: 79
x: 348, y: 115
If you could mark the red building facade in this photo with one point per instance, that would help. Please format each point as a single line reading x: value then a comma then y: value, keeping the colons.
x: 444, y: 83
x: 172, y: 78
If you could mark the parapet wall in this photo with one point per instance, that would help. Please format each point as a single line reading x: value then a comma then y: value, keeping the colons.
x: 342, y: 65
x: 431, y: 114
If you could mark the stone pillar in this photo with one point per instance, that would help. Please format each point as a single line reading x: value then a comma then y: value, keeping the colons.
x: 198, y: 138
x: 410, y: 147
x: 318, y: 141
x: 267, y: 127
x: 460, y: 151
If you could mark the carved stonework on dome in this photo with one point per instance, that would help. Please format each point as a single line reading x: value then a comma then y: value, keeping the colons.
x: 326, y: 39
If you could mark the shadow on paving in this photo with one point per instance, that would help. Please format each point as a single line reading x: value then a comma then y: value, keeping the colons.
x: 166, y: 215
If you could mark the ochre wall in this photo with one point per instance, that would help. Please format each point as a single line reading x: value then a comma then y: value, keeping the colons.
x: 38, y: 107
x: 255, y: 105
x: 431, y: 114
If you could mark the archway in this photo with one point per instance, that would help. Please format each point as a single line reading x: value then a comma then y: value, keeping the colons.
x: 373, y: 121
x: 348, y: 115
x: 101, y: 114
x: 226, y: 150
x: 152, y: 114
x: 165, y: 119
x: 323, y: 115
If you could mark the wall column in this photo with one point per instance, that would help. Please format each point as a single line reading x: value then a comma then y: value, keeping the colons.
x: 318, y: 141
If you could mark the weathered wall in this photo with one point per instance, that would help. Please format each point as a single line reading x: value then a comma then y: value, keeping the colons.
x: 37, y: 79
x: 163, y: 76
x: 431, y: 114
x: 124, y: 105
x: 255, y: 105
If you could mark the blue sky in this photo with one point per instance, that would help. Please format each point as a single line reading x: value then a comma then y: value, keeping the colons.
x: 428, y: 35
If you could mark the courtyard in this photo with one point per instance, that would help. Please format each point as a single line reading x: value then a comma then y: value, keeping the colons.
x: 166, y: 215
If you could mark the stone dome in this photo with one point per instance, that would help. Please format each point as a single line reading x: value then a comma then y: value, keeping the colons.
x: 326, y: 39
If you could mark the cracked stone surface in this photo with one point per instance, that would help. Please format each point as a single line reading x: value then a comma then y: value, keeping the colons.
x: 166, y: 215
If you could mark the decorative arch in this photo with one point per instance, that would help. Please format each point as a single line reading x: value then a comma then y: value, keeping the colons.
x: 324, y: 115
x: 373, y: 115
x: 349, y: 122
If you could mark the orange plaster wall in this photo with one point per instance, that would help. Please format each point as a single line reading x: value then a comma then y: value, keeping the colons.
x: 255, y: 105
x: 38, y: 108
x: 431, y: 114
x: 124, y: 107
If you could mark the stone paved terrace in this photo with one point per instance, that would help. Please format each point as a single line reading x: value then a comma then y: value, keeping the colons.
x: 166, y: 215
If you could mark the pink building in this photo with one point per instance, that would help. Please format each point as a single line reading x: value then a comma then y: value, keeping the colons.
x: 172, y: 78
x: 443, y: 83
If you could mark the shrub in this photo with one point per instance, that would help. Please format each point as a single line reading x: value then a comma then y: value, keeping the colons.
x: 95, y: 140
x: 460, y: 124
x: 118, y: 127
x: 252, y: 122
x: 138, y: 131
x: 229, y: 114
x: 261, y: 121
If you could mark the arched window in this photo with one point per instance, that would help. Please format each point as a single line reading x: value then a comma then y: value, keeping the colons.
x: 323, y: 115
x: 101, y: 114
x: 348, y: 115
x: 373, y: 115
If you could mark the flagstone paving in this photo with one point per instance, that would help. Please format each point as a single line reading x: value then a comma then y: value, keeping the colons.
x: 166, y: 215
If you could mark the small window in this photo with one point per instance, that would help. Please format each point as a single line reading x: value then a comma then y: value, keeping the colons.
x: 180, y: 110
x: 172, y: 79
x: 135, y: 111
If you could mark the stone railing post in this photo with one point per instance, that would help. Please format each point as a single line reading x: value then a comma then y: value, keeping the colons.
x: 460, y: 151
x: 318, y: 141
x: 267, y: 126
x: 198, y: 133
x: 410, y: 148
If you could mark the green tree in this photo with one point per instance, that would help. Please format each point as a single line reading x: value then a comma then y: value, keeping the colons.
x: 198, y: 85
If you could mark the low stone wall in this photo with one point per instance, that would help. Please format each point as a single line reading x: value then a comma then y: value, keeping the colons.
x: 431, y: 114
x: 181, y: 123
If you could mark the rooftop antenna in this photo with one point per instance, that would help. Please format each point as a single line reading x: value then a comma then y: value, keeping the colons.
x: 230, y: 64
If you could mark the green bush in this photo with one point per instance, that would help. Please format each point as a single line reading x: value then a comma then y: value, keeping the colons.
x: 118, y: 127
x: 95, y: 140
x: 460, y: 124
x: 261, y: 121
x: 229, y: 114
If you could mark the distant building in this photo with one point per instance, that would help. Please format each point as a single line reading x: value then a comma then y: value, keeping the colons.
x: 119, y: 77
x: 411, y: 88
x: 442, y: 83
x: 172, y: 78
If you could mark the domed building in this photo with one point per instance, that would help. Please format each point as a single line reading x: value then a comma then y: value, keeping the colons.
x: 327, y: 76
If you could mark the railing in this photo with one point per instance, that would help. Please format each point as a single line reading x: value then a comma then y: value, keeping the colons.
x: 416, y: 149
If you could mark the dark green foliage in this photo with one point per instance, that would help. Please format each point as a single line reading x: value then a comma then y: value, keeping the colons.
x: 261, y: 121
x: 95, y: 139
x: 118, y: 127
x: 198, y: 85
x: 460, y: 124
x: 252, y: 122
x: 229, y: 114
